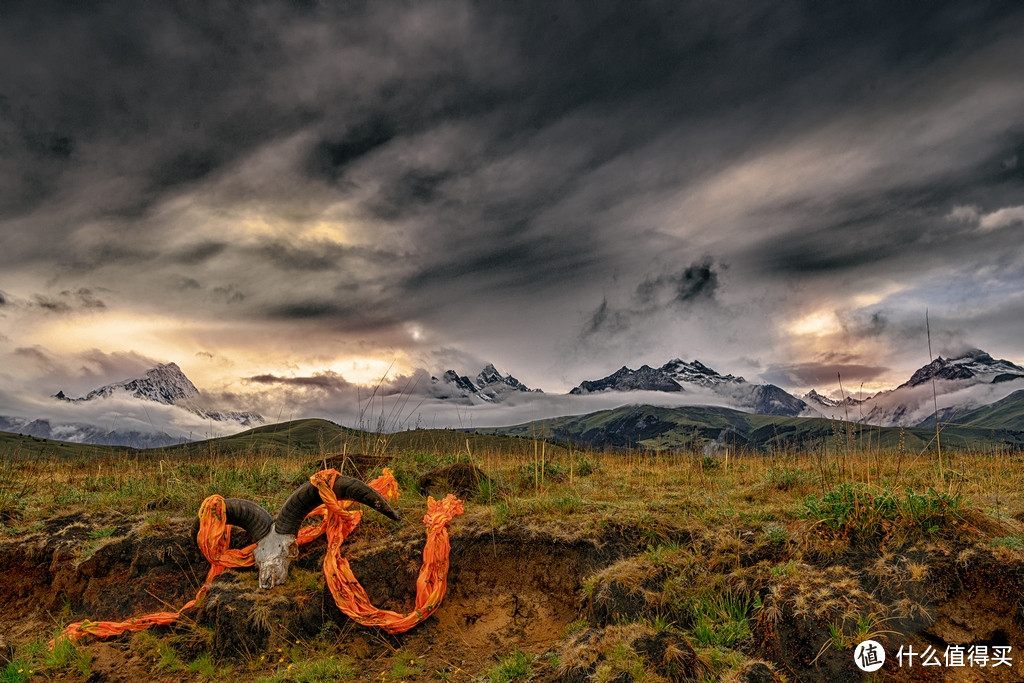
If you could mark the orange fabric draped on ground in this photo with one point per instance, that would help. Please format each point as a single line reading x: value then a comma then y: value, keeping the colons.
x: 338, y: 522
x: 349, y: 595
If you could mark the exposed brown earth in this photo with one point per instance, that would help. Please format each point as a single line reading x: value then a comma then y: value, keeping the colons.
x: 512, y: 587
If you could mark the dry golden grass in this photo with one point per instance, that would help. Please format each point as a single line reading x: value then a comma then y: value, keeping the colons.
x: 712, y: 550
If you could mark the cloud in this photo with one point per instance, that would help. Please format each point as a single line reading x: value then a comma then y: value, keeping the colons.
x: 329, y: 158
x: 1001, y: 218
x: 529, y: 184
x: 326, y: 381
x: 656, y: 294
x: 987, y: 222
x: 965, y: 214
x: 66, y: 301
x: 198, y: 253
x: 698, y: 281
x: 80, y: 372
x: 822, y: 375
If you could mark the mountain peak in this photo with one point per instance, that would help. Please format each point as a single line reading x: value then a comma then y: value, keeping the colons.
x: 697, y: 373
x: 165, y: 383
x: 489, y: 385
x: 645, y: 378
x: 973, y: 364
x: 812, y: 397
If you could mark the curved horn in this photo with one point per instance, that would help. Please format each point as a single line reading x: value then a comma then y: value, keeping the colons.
x: 307, y: 497
x: 248, y: 515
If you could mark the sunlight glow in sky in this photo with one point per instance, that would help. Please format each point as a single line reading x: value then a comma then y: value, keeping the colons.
x: 315, y: 194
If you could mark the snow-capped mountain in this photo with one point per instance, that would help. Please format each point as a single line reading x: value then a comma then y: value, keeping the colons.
x: 159, y: 408
x: 166, y: 384
x: 816, y: 400
x: 626, y: 379
x: 697, y: 373
x: 677, y: 375
x: 962, y: 383
x: 488, y: 386
x: 975, y: 365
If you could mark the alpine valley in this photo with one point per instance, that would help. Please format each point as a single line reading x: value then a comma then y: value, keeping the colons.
x: 681, y: 404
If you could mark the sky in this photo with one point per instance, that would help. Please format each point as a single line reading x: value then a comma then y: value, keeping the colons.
x: 292, y: 200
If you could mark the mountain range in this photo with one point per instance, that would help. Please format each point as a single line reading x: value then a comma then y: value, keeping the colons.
x: 165, y: 384
x: 964, y: 388
x: 488, y: 386
x: 716, y: 430
x: 676, y: 375
x: 968, y: 381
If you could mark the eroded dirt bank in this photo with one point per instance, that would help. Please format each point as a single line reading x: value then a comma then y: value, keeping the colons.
x: 591, y: 607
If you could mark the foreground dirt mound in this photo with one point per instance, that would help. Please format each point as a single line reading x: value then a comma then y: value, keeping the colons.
x: 617, y: 608
x: 506, y: 589
x: 462, y: 478
x: 100, y: 566
x: 358, y: 465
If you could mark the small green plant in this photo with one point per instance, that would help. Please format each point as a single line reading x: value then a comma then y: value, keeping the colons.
x: 164, y: 657
x: 516, y: 666
x: 1011, y: 542
x: 787, y: 569
x: 203, y: 665
x: 17, y: 671
x: 709, y: 463
x: 576, y: 625
x: 584, y: 466
x: 102, y: 532
x: 567, y: 504
x: 323, y: 670
x: 786, y: 478
x: 861, y: 513
x: 776, y: 534
x: 660, y: 623
x: 722, y: 619
x: 838, y: 639
x: 404, y: 665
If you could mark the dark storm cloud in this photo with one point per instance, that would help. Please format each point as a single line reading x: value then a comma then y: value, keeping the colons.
x: 908, y: 217
x: 822, y: 374
x: 326, y: 381
x: 680, y: 291
x: 697, y: 281
x: 312, y: 256
x: 229, y: 294
x: 329, y: 158
x: 525, y: 157
x: 67, y: 301
x: 81, y: 372
x: 334, y: 314
x: 186, y: 283
x: 604, y: 320
x: 198, y: 254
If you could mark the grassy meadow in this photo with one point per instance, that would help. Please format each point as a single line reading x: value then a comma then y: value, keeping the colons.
x: 699, y: 568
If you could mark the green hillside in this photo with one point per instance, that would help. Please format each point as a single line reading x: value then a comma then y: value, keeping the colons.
x: 19, y: 446
x: 998, y: 426
x: 1007, y: 413
x: 695, y: 428
x: 304, y: 438
x: 316, y: 436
